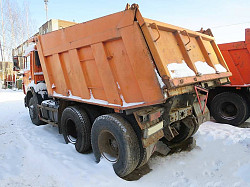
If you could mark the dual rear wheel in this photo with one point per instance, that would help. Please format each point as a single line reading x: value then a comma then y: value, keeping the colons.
x: 111, y: 137
x: 76, y: 128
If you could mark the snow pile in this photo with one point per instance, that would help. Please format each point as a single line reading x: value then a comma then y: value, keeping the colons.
x: 97, y: 101
x: 38, y: 156
x: 159, y: 79
x: 38, y: 73
x: 220, y: 68
x: 53, y: 86
x: 37, y: 87
x: 204, y: 68
x: 125, y: 104
x: 49, y: 103
x: 31, y: 47
x: 179, y: 70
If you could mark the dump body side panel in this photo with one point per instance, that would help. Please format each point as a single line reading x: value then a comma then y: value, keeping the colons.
x: 104, y: 61
x: 122, y: 60
x: 237, y: 56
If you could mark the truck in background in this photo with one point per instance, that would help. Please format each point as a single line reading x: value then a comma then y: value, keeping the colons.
x: 123, y: 85
x: 230, y: 103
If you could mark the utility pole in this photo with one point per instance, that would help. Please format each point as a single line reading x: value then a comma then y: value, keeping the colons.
x: 46, y: 8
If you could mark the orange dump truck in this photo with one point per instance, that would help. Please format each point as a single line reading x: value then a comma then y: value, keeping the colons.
x: 123, y: 85
x: 230, y: 103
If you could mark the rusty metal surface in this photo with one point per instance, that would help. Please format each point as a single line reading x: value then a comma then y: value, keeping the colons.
x: 180, y: 113
x: 152, y: 139
x: 170, y: 132
x: 201, y: 118
x: 143, y: 116
x: 192, y: 80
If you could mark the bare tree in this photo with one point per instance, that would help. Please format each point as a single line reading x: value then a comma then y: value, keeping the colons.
x: 16, y: 25
x: 2, y: 32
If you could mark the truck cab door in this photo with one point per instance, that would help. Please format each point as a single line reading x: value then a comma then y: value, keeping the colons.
x: 37, y: 69
x: 27, y: 72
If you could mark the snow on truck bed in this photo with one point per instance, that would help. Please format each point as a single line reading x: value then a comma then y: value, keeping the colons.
x: 37, y: 156
x: 180, y: 70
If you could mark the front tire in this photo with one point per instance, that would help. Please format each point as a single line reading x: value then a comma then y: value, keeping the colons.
x: 230, y: 108
x: 34, y: 111
x: 113, y: 138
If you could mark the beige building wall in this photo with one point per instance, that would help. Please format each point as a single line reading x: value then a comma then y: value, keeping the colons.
x: 49, y: 26
x: 6, y: 69
x: 53, y: 25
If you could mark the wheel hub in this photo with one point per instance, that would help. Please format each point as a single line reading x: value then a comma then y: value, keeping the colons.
x: 71, y: 131
x: 108, y: 146
x: 228, y: 110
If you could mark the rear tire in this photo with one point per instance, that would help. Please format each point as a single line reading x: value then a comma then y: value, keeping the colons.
x: 230, y: 108
x: 143, y: 152
x: 113, y: 138
x: 184, y: 133
x: 76, y: 128
x: 92, y: 113
x: 34, y: 111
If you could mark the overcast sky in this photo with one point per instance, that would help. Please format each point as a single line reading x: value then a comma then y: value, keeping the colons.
x: 227, y: 18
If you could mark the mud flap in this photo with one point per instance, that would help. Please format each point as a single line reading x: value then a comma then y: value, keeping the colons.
x: 201, y: 118
x: 162, y: 148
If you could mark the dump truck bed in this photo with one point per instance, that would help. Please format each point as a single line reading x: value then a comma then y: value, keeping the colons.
x: 126, y: 61
x: 237, y: 56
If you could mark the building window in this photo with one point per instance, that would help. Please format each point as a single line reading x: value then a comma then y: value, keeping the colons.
x: 27, y: 64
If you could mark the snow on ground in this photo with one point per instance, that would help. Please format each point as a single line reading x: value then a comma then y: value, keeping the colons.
x: 37, y: 156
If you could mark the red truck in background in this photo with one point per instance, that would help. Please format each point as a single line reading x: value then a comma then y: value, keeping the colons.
x: 230, y: 103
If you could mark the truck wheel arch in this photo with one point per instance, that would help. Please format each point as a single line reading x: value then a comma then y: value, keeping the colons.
x: 31, y: 92
x: 28, y: 96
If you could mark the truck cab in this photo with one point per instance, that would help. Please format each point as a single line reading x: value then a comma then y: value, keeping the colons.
x: 33, y: 79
